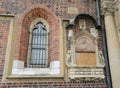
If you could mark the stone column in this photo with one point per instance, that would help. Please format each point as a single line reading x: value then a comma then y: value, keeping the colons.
x: 112, y: 41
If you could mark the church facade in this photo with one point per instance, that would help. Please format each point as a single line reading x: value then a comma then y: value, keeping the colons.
x: 59, y: 44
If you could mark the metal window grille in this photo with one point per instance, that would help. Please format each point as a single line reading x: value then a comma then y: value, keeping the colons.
x: 39, y: 47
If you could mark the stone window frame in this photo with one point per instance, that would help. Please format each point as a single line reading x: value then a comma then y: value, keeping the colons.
x: 19, y: 69
x: 10, y: 63
x: 32, y: 26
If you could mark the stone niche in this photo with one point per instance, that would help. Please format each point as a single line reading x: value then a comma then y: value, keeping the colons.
x: 84, y: 60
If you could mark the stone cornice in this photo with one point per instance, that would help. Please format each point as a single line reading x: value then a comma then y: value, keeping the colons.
x: 107, y: 7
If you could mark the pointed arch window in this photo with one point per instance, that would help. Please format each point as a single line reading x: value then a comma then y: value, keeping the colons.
x: 38, y: 47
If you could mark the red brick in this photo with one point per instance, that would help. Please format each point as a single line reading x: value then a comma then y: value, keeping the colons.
x: 51, y: 10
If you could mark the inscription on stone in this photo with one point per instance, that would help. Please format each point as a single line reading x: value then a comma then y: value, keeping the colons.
x: 90, y: 72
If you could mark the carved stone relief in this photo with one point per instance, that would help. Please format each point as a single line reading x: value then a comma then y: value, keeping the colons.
x: 101, y: 59
x: 94, y: 32
x: 84, y: 43
x: 86, y: 73
x: 69, y: 61
x: 82, y: 24
x: 71, y: 53
x: 108, y: 7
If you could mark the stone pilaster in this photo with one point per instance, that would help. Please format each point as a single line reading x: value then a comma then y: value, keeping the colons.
x: 108, y: 9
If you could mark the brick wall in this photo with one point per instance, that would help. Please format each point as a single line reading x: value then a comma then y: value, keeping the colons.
x: 55, y: 9
x: 23, y: 32
x: 82, y: 84
x: 59, y: 8
x: 4, y: 31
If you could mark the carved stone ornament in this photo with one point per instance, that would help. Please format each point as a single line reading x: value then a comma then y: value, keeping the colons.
x: 84, y: 43
x: 86, y: 73
x: 101, y: 58
x: 82, y: 24
x: 94, y: 32
x: 107, y: 7
x: 70, y: 35
x: 69, y: 58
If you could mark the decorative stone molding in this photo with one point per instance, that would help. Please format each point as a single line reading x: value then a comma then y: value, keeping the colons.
x: 107, y: 7
x: 82, y: 24
x: 87, y: 42
x: 117, y: 2
x: 70, y: 34
x: 94, y: 32
x: 86, y: 73
x: 71, y: 53
x: 101, y: 59
x: 69, y: 60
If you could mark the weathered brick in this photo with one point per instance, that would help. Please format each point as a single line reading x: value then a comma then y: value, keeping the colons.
x: 51, y: 10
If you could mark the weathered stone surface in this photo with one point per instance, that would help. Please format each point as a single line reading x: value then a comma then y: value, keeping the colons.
x: 72, y: 10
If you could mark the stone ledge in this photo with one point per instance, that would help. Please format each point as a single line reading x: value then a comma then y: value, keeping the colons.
x: 86, y: 73
x: 7, y: 15
x: 18, y: 69
x: 35, y: 76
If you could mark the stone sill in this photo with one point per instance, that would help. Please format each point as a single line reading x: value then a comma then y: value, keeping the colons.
x: 7, y: 15
x: 35, y: 76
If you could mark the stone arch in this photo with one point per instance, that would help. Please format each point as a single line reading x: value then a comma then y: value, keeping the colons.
x: 80, y: 16
x: 23, y: 22
x: 88, y: 17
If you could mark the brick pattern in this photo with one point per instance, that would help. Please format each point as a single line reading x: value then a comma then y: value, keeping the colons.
x: 52, y: 11
x: 69, y: 84
x: 4, y: 31
x: 58, y: 7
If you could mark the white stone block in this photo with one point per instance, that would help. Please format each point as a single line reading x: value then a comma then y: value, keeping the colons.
x: 70, y: 33
x: 55, y: 71
x: 55, y: 64
x: 55, y: 67
x: 28, y: 72
x: 42, y: 71
x: 17, y: 71
x: 17, y: 64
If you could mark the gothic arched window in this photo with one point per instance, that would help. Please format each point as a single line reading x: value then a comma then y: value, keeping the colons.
x: 38, y: 47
